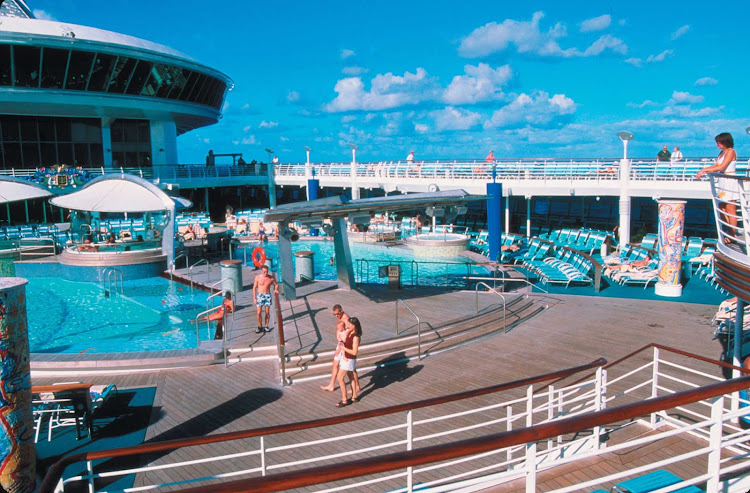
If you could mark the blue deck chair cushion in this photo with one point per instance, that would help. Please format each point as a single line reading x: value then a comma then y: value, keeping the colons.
x: 654, y: 481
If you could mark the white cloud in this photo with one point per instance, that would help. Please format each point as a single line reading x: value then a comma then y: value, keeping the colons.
x: 421, y: 128
x: 528, y: 38
x: 386, y: 91
x: 596, y: 23
x: 686, y: 111
x: 43, y: 15
x: 245, y: 106
x: 293, y: 96
x: 679, y: 97
x: 660, y: 57
x: 344, y: 54
x: 348, y: 118
x: 451, y: 118
x: 268, y: 124
x: 706, y: 81
x: 679, y: 32
x: 480, y: 83
x: 249, y: 140
x: 354, y: 70
x: 284, y: 139
x: 647, y: 102
x: 636, y: 62
x: 538, y: 109
x: 606, y: 42
x: 247, y: 128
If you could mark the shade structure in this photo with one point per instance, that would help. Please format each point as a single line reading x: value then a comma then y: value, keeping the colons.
x: 14, y: 189
x: 181, y: 203
x: 117, y: 193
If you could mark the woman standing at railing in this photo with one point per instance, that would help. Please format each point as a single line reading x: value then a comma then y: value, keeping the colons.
x: 348, y: 362
x: 728, y: 193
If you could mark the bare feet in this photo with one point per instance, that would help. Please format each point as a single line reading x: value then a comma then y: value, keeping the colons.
x: 327, y: 388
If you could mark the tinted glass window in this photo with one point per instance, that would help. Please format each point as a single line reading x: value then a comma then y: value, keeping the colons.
x: 5, y: 65
x: 155, y: 80
x: 101, y: 73
x: 203, y: 96
x: 26, y: 59
x: 10, y: 129
x: 171, y: 74
x: 54, y: 62
x: 192, y: 78
x: 140, y: 75
x: 121, y: 75
x: 28, y: 129
x: 218, y: 95
x: 196, y: 89
x: 180, y: 79
x: 46, y: 129
x: 78, y: 70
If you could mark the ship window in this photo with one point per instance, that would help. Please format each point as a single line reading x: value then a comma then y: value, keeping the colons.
x: 5, y: 65
x: 181, y: 78
x: 26, y: 59
x: 79, y: 69
x: 199, y: 83
x: 121, y: 75
x: 101, y: 73
x: 140, y: 75
x: 53, y: 67
x: 192, y: 78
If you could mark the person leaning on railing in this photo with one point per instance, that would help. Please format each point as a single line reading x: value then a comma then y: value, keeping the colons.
x: 728, y: 193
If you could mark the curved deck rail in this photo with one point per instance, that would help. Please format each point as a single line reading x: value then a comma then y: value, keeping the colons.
x: 54, y: 474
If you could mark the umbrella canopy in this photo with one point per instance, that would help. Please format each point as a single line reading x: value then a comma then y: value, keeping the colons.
x: 14, y: 189
x: 117, y: 193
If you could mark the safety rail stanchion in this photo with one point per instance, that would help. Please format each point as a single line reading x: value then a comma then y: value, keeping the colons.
x: 476, y: 301
x: 419, y: 326
x: 198, y: 317
x: 409, y: 446
x: 174, y: 262
x: 282, y: 343
x: 530, y: 447
x: 199, y: 262
x: 655, y: 382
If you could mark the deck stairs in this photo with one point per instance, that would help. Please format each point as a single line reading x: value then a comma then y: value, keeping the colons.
x: 449, y: 335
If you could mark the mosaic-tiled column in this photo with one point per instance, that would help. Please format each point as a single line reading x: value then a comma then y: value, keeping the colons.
x: 671, y: 226
x: 17, y: 458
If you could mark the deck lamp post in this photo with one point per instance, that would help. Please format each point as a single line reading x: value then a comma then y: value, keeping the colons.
x: 625, y: 137
x: 308, y: 150
x: 271, y: 182
x: 355, y: 188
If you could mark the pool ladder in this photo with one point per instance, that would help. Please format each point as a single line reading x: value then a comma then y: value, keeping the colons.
x: 112, y: 282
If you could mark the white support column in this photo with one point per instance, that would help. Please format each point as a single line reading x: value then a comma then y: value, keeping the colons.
x: 624, y: 202
x: 531, y: 446
x: 655, y: 383
x: 163, y: 143
x: 528, y: 217
x: 714, y: 443
x: 344, y: 267
x: 106, y: 142
x: 507, y: 215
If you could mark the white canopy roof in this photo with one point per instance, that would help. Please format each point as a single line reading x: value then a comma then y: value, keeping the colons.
x: 116, y: 193
x: 13, y: 190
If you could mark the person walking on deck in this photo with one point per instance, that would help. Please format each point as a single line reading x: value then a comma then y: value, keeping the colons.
x: 341, y: 321
x: 262, y: 296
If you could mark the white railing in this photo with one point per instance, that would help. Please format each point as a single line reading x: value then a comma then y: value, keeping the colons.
x: 731, y: 201
x: 544, y: 169
x: 721, y: 449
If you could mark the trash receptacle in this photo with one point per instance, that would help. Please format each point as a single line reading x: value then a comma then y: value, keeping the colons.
x: 303, y: 266
x: 231, y: 275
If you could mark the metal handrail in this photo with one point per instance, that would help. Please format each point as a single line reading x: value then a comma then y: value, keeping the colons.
x: 205, y: 314
x: 419, y: 326
x: 174, y: 262
x: 107, y: 279
x: 476, y: 302
x: 36, y: 244
x: 190, y: 270
x: 282, y: 341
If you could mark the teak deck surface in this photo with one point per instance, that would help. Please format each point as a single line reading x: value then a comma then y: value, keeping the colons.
x: 573, y: 331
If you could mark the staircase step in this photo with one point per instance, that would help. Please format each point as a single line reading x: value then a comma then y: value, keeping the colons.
x: 450, y: 336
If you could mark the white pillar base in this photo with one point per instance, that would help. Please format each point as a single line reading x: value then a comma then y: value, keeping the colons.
x: 668, y: 290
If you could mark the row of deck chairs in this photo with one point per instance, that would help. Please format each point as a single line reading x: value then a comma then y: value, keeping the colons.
x: 584, y: 240
x: 201, y: 218
x: 566, y: 267
x: 640, y: 276
x: 11, y: 235
x: 479, y: 244
x: 691, y: 247
x: 60, y: 409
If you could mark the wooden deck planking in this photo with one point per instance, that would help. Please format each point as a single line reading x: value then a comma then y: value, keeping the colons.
x: 574, y: 331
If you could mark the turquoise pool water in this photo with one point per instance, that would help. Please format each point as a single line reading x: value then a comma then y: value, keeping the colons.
x: 153, y: 314
x: 368, y: 258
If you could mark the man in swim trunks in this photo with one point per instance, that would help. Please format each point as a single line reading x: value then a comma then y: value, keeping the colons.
x: 262, y: 296
x: 341, y: 319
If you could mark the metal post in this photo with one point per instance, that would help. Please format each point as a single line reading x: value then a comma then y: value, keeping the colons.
x: 494, y: 224
x: 507, y: 214
x: 714, y: 442
x: 409, y: 446
x: 509, y: 427
x: 737, y: 349
x: 655, y: 383
x: 26, y: 208
x: 528, y: 217
x: 550, y: 413
x: 530, y: 446
x: 262, y: 456
x: 598, y: 405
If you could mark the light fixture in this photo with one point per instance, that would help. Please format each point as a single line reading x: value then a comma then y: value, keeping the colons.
x: 625, y: 137
x: 290, y: 235
x: 747, y: 130
x: 598, y: 199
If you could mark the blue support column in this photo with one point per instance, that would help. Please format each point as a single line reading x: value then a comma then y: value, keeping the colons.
x: 494, y: 218
x: 313, y: 185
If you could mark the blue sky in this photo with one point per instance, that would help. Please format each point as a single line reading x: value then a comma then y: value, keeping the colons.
x: 451, y: 79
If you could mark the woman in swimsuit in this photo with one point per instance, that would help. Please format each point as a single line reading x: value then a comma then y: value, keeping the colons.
x: 728, y: 193
x: 348, y: 363
x: 226, y: 306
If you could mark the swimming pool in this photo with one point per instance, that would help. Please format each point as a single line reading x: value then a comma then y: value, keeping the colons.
x: 367, y: 258
x: 153, y: 314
